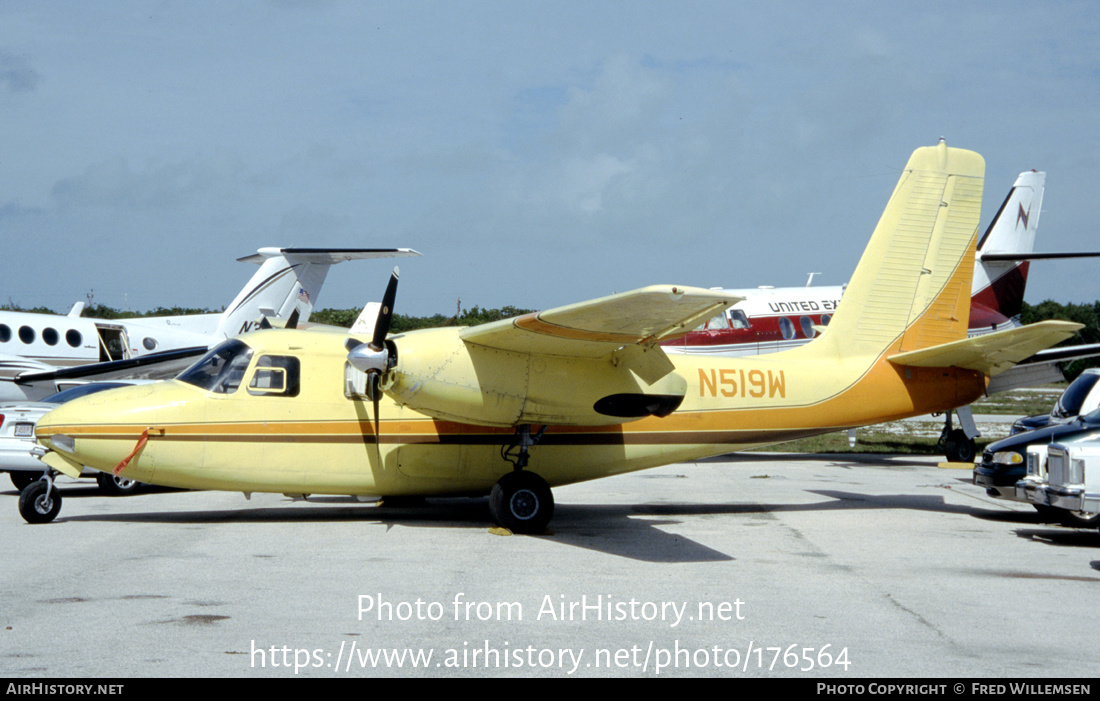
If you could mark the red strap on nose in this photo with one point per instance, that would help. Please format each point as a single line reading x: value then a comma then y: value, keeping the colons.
x: 126, y: 460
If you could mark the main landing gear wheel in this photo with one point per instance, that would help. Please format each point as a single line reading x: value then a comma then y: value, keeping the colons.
x: 115, y: 485
x: 522, y: 502
x: 958, y: 447
x: 39, y: 502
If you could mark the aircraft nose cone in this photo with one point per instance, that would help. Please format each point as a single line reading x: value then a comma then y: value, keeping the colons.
x: 100, y: 429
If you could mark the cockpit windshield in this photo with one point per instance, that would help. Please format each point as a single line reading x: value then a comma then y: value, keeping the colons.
x: 221, y: 370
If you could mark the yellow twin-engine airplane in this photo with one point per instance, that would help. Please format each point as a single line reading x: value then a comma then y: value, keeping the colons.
x: 514, y: 407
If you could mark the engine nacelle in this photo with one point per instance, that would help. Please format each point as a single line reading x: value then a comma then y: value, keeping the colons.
x: 439, y: 374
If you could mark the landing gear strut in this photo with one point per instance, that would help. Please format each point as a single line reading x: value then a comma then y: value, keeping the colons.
x: 521, y: 501
x: 958, y: 443
x: 523, y: 443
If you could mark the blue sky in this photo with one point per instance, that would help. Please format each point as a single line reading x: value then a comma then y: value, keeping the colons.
x: 536, y: 153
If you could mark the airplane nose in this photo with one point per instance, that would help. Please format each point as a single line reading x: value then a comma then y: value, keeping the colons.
x: 99, y: 430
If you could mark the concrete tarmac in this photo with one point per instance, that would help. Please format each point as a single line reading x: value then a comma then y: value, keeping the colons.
x: 751, y: 565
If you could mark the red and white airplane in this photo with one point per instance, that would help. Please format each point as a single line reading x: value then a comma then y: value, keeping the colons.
x: 772, y: 319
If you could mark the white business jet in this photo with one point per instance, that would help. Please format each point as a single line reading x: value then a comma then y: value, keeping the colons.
x: 43, y: 353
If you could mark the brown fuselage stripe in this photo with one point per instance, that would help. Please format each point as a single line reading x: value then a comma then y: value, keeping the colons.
x: 496, y: 439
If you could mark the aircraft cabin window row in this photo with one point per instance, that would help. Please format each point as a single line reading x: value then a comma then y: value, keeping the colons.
x: 737, y: 319
x: 50, y: 336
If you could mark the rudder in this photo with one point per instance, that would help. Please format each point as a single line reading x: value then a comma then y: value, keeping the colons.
x: 911, y: 288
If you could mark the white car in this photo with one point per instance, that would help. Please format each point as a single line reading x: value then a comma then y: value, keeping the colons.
x: 17, y: 420
x: 1073, y: 480
x: 1054, y: 467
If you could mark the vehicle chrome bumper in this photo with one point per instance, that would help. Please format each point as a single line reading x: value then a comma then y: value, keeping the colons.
x: 1069, y: 498
x: 1032, y: 491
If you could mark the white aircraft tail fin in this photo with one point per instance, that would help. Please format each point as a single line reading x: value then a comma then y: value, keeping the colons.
x: 288, y: 283
x: 1000, y: 280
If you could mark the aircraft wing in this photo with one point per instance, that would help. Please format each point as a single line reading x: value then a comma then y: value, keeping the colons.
x: 153, y: 366
x: 598, y: 327
x: 1058, y: 355
x: 991, y: 353
x: 1041, y: 368
x: 629, y: 325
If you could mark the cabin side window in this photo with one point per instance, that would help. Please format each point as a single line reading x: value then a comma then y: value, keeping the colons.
x: 786, y: 327
x: 807, y: 325
x: 718, y: 323
x: 276, y: 376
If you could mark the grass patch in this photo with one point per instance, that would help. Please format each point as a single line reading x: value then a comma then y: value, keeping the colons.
x: 922, y: 437
x: 897, y: 437
x: 870, y: 440
x: 1026, y: 401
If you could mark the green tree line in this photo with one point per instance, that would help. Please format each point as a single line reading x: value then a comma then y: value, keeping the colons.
x: 1086, y: 314
x: 332, y: 317
x: 401, y: 322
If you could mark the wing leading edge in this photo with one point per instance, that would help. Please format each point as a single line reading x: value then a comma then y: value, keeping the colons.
x: 595, y: 328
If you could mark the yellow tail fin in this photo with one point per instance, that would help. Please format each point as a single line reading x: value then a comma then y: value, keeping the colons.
x: 911, y: 289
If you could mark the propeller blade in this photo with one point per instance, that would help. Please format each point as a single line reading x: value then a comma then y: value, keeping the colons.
x: 385, y: 314
x: 374, y: 357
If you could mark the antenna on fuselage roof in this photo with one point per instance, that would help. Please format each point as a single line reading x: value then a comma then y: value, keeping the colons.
x: 810, y: 279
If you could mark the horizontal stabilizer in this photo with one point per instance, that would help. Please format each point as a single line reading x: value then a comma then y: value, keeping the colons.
x: 288, y: 284
x: 991, y: 353
x: 990, y: 257
x: 598, y: 327
x: 329, y: 256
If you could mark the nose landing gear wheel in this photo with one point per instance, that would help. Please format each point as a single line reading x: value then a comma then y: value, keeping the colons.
x: 39, y: 502
x: 522, y: 502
